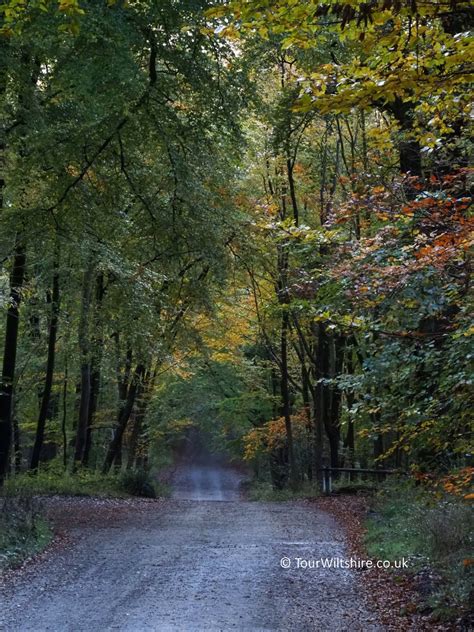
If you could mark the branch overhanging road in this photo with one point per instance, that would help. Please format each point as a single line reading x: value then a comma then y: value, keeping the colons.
x: 202, y: 560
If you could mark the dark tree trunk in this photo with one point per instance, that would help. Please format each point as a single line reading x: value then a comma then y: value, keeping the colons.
x: 16, y: 445
x: 307, y: 411
x: 278, y: 458
x: 97, y: 344
x: 136, y: 431
x: 334, y: 437
x: 123, y: 385
x: 83, y: 417
x: 318, y: 435
x: 83, y: 413
x: 349, y: 440
x: 291, y: 184
x: 64, y: 415
x: 118, y: 455
x: 332, y: 416
x: 285, y: 397
x: 409, y: 149
x: 379, y: 449
x: 327, y: 402
x: 319, y: 405
x: 142, y: 405
x: 93, y: 400
x: 9, y: 355
x: 48, y: 382
x: 124, y: 416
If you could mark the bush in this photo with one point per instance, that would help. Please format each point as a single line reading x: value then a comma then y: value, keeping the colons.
x: 137, y: 483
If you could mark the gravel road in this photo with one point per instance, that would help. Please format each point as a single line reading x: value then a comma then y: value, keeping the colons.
x: 202, y: 560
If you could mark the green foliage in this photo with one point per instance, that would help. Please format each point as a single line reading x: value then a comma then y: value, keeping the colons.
x: 221, y: 398
x: 275, y: 230
x: 126, y: 185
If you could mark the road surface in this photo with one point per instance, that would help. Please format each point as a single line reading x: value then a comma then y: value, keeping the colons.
x: 187, y: 563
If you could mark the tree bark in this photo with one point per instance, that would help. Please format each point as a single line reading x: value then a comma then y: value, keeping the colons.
x: 17, y: 456
x: 64, y: 415
x: 97, y: 345
x: 9, y: 355
x: 124, y: 416
x: 83, y: 416
x: 48, y: 382
x: 285, y: 397
x: 332, y: 416
x: 409, y: 149
x: 143, y: 397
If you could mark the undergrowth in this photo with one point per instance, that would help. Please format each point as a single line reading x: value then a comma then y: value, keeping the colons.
x: 23, y: 530
x: 264, y: 491
x: 54, y: 480
x: 435, y: 533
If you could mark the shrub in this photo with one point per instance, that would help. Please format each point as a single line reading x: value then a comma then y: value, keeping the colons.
x: 137, y: 483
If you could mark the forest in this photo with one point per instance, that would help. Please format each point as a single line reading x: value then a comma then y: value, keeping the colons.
x: 248, y: 221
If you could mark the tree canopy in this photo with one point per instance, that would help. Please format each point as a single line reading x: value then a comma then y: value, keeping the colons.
x: 251, y: 217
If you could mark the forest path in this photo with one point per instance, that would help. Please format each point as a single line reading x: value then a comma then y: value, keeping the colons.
x: 210, y: 480
x: 186, y: 565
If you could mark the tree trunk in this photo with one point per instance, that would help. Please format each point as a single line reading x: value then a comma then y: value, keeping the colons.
x: 9, y: 355
x: 48, y: 382
x: 318, y: 435
x: 124, y: 416
x: 16, y: 444
x: 142, y: 404
x: 97, y: 345
x: 409, y: 149
x: 327, y: 397
x: 83, y: 336
x: 349, y: 440
x: 64, y: 416
x: 332, y: 415
x: 307, y: 412
x: 285, y: 397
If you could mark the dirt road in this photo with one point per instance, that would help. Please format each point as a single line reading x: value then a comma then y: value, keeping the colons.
x: 188, y: 563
